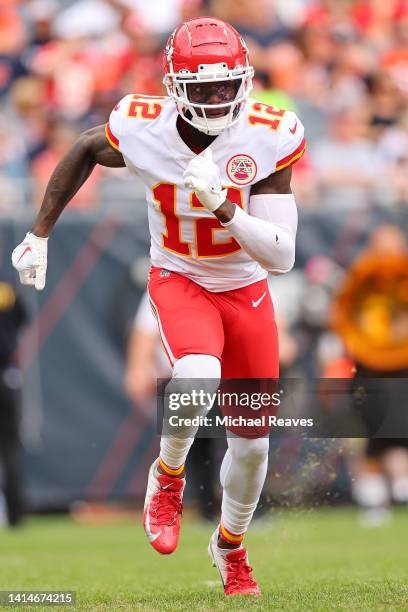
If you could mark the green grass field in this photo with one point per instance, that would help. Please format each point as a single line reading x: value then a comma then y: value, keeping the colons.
x: 303, y: 560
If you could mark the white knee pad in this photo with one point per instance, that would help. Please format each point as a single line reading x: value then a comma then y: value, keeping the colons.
x: 198, y: 366
x: 176, y: 443
x: 193, y: 372
x: 249, y: 452
x: 205, y: 369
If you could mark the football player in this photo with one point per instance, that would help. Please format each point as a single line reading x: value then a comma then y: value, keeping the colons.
x: 216, y: 168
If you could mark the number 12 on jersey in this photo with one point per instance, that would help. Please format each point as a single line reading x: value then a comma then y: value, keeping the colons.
x: 165, y: 194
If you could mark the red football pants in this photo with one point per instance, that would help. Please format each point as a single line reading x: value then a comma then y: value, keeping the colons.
x: 238, y: 327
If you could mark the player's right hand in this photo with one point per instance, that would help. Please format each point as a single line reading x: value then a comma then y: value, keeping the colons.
x: 203, y: 177
x: 30, y: 260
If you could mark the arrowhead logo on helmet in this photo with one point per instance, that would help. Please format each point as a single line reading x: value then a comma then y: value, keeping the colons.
x: 210, y: 55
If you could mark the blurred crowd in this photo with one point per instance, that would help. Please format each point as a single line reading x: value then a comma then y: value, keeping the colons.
x: 341, y: 64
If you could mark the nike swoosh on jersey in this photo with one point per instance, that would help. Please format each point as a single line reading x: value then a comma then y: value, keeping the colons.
x: 293, y: 130
x: 256, y: 304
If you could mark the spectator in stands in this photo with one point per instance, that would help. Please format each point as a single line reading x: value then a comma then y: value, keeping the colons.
x: 12, y: 43
x: 370, y: 314
x: 346, y: 163
x: 40, y: 15
x: 28, y: 114
x: 376, y: 20
x: 261, y: 26
x: 60, y: 139
x: 316, y: 56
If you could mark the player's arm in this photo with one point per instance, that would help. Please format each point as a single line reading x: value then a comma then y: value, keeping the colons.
x: 276, y: 183
x: 268, y: 232
x: 91, y: 148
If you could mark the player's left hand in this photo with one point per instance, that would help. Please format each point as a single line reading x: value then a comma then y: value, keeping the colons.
x: 203, y: 177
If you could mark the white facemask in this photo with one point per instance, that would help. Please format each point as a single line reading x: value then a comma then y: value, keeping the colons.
x: 176, y: 84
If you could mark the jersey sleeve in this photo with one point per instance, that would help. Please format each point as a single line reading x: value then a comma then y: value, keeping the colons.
x: 292, y: 142
x: 113, y: 128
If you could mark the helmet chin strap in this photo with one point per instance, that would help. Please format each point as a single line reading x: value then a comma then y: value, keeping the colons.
x: 206, y: 125
x: 211, y: 126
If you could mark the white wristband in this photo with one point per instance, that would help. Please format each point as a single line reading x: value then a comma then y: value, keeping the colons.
x: 35, y: 238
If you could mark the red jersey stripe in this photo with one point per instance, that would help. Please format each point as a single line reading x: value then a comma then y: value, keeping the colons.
x: 294, y: 156
x: 113, y: 141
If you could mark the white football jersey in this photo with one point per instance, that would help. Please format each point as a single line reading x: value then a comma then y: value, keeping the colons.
x: 185, y: 237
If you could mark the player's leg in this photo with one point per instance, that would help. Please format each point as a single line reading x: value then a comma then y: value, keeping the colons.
x: 251, y: 347
x: 192, y: 333
x: 251, y: 351
x: 242, y: 476
x: 174, y: 445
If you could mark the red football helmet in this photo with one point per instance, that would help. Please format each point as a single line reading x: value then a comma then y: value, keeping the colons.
x: 204, y: 51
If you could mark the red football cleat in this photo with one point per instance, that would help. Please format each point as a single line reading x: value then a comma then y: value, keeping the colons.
x: 235, y: 571
x: 162, y: 510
